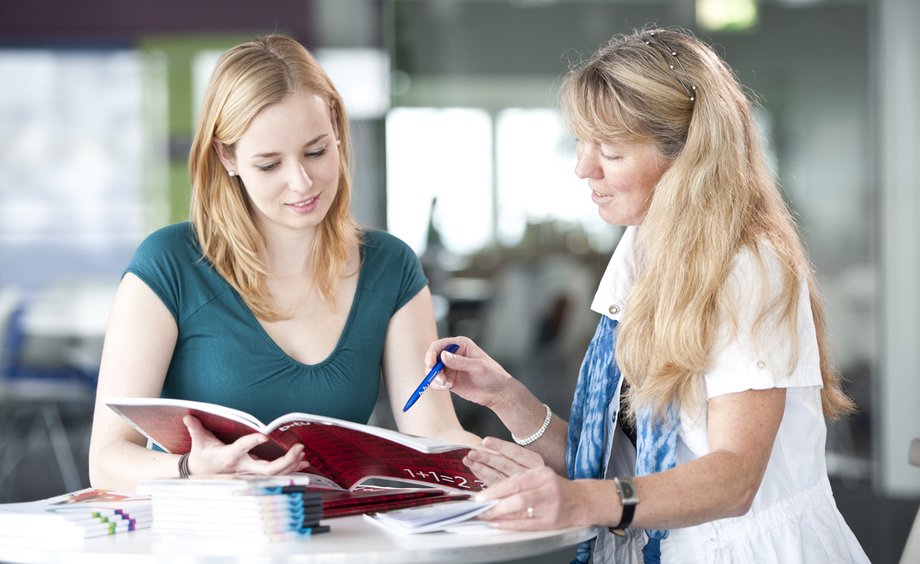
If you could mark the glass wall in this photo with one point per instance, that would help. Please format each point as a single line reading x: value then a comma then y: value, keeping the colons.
x: 75, y: 143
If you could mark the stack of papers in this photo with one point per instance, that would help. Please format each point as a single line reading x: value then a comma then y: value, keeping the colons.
x: 69, y: 519
x: 438, y: 517
x: 245, y: 508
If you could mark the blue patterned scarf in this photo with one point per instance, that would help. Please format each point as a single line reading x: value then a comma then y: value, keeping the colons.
x: 656, y: 451
x: 593, y: 420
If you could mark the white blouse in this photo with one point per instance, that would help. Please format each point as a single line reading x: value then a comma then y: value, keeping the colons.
x: 793, y: 517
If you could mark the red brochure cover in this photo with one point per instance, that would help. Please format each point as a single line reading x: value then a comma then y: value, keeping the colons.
x: 345, y: 452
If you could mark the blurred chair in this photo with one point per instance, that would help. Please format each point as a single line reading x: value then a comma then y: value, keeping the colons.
x: 48, y: 369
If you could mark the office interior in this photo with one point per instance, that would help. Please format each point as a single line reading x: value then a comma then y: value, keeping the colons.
x: 460, y: 152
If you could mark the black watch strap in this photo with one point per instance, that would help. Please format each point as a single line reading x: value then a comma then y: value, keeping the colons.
x: 629, y: 499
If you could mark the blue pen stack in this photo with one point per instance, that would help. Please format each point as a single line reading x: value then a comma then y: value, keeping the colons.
x: 241, y: 508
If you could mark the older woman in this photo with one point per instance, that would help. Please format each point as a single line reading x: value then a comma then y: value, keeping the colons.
x: 711, y: 346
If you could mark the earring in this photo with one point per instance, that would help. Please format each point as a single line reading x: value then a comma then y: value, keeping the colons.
x: 338, y: 141
x: 231, y: 172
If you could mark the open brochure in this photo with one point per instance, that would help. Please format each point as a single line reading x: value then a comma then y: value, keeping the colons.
x: 345, y: 452
x: 443, y: 516
x: 370, y: 498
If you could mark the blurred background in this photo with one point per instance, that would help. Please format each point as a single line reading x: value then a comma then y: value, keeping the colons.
x: 461, y: 153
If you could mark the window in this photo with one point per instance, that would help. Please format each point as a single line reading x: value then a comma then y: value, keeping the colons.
x: 481, y: 197
x: 72, y: 155
x: 441, y: 157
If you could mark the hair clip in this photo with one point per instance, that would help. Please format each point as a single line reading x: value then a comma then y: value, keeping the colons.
x: 691, y: 89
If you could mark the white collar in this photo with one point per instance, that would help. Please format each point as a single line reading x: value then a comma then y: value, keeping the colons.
x: 618, y: 279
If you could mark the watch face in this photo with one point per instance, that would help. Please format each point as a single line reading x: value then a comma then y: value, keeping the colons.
x: 627, y: 489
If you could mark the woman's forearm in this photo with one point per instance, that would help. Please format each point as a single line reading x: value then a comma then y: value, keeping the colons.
x: 523, y: 414
x: 121, y: 465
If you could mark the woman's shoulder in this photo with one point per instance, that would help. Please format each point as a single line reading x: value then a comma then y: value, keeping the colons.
x: 380, y: 237
x: 170, y: 262
x: 389, y: 267
x: 378, y: 243
x: 760, y: 267
x: 172, y: 248
x: 173, y: 238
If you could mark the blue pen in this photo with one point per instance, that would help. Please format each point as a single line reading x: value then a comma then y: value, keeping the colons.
x: 426, y: 381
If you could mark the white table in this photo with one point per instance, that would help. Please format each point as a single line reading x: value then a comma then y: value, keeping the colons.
x: 351, y: 540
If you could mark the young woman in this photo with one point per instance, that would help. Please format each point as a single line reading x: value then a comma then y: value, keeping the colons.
x: 271, y: 299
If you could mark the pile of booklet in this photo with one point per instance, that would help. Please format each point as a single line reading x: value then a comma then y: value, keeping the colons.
x: 243, y: 508
x: 69, y: 519
x: 454, y: 516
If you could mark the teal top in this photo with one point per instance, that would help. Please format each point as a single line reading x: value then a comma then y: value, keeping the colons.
x: 224, y: 356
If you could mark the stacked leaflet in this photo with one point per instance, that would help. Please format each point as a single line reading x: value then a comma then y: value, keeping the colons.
x: 241, y: 508
x: 439, y: 517
x: 67, y: 520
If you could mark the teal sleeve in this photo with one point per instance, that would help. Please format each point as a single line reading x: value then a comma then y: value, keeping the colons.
x: 159, y: 260
x: 393, y: 268
x: 413, y: 279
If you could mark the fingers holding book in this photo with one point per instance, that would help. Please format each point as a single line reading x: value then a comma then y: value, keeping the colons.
x: 209, y: 455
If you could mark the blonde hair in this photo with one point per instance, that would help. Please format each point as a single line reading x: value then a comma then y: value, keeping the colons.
x: 716, y: 198
x: 249, y: 77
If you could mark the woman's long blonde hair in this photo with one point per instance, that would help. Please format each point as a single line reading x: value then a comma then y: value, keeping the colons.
x: 249, y: 77
x: 717, y: 198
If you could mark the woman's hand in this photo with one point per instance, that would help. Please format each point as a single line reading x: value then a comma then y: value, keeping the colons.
x: 498, y: 460
x: 470, y: 372
x: 540, y: 499
x: 211, y: 456
x: 473, y: 375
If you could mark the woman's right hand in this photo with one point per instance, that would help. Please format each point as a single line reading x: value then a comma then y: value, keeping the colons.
x: 498, y: 460
x: 475, y: 376
x: 211, y: 456
x: 470, y: 372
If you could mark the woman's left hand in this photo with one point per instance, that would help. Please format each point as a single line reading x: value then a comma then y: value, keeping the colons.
x: 209, y: 455
x: 540, y: 499
x: 498, y: 459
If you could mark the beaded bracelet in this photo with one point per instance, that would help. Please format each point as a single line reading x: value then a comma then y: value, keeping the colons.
x: 526, y: 441
x: 183, y: 466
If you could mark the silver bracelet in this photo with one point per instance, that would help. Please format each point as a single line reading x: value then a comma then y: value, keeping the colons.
x: 526, y: 441
x: 183, y: 466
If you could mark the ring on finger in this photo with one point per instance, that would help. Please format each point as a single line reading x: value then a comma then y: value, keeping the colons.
x: 529, y: 512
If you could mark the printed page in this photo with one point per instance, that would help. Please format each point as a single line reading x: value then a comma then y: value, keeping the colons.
x: 430, y: 517
x: 350, y: 458
x: 421, y: 444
